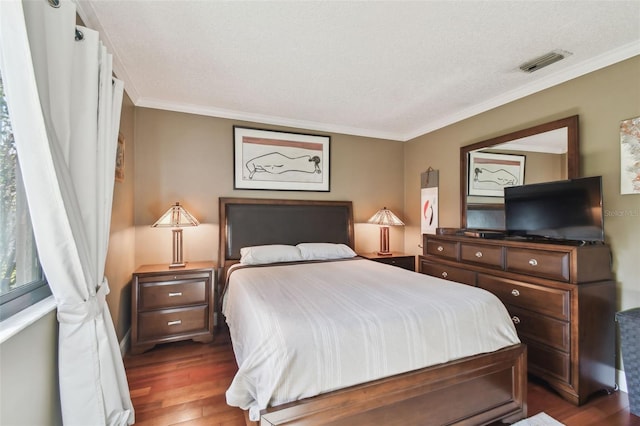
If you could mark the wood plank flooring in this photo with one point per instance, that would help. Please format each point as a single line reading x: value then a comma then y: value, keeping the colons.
x: 184, y: 383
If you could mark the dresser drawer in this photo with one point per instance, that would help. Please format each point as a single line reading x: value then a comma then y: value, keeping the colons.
x: 549, y: 264
x: 172, y: 322
x: 545, y: 362
x: 532, y: 326
x: 155, y: 295
x: 544, y: 300
x: 450, y: 273
x: 485, y: 255
x: 445, y: 249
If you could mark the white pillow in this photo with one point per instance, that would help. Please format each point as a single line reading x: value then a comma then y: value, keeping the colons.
x: 325, y: 251
x: 259, y: 255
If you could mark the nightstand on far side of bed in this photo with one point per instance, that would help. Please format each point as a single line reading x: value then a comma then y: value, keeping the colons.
x: 172, y: 304
x: 396, y: 258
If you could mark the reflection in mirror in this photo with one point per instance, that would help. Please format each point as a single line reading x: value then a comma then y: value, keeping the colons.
x: 543, y: 153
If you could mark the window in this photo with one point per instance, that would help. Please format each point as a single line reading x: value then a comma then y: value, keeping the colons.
x: 21, y: 280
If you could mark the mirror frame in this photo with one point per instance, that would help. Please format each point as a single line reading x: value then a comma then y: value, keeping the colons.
x: 573, y: 153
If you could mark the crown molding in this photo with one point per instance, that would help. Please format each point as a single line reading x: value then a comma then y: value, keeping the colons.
x: 264, y: 119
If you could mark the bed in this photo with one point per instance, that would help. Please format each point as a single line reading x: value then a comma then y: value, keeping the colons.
x: 403, y: 381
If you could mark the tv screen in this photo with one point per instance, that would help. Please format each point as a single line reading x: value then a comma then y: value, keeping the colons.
x: 564, y: 210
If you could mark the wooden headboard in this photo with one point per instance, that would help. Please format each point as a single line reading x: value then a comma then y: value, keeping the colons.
x: 248, y: 222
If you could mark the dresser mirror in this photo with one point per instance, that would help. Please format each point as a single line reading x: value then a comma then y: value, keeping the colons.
x: 543, y: 153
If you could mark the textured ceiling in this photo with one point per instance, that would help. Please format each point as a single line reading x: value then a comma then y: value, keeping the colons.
x: 387, y: 69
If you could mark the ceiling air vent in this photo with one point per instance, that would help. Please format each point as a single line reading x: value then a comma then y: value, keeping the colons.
x: 544, y: 60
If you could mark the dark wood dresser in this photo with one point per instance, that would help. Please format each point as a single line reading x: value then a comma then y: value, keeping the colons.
x: 561, y: 299
x: 171, y: 304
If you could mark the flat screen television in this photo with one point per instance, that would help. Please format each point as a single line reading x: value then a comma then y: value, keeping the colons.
x: 569, y: 210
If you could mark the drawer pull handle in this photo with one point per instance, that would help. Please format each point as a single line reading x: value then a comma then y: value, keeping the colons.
x: 515, y: 320
x: 478, y: 254
x: 176, y: 322
x: 515, y: 292
x: 533, y: 262
x: 176, y: 294
x: 444, y: 274
x: 440, y: 248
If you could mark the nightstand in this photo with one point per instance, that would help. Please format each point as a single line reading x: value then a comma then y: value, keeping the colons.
x: 171, y: 304
x: 396, y: 258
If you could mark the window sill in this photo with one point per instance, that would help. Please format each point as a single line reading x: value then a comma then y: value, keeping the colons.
x: 23, y: 319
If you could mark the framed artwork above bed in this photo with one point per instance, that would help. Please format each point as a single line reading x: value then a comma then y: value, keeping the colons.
x: 273, y: 160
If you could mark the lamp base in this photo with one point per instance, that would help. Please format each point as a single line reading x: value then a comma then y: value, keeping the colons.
x: 384, y: 241
x: 177, y: 262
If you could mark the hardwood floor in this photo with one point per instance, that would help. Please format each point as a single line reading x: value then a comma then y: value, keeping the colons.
x: 184, y: 383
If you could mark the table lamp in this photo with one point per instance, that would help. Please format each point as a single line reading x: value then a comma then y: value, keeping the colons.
x: 177, y: 218
x: 385, y: 218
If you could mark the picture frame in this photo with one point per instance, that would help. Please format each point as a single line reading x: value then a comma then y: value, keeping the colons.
x: 490, y: 173
x: 280, y: 161
x: 119, y: 176
x: 630, y: 156
x: 429, y: 210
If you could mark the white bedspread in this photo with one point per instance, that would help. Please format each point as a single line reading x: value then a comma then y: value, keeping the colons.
x: 305, y: 329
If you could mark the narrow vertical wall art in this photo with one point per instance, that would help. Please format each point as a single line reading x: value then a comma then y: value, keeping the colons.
x: 120, y: 159
x: 429, y: 201
x: 630, y: 156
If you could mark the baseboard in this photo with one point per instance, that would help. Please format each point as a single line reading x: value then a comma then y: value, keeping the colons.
x: 125, y: 343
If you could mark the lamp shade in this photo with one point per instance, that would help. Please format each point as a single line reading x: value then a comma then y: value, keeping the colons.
x: 176, y: 217
x: 385, y: 217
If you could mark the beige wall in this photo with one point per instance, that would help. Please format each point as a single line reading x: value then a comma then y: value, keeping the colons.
x: 120, y: 261
x: 189, y: 158
x: 29, y: 392
x: 602, y: 99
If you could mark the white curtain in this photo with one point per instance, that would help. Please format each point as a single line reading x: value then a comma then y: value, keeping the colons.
x: 65, y: 111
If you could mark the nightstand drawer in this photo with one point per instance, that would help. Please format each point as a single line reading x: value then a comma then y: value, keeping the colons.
x: 172, y: 322
x: 154, y: 295
x: 406, y: 262
x: 550, y: 264
x: 544, y: 300
x: 450, y: 273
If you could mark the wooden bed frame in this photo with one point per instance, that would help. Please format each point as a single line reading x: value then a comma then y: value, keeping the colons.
x: 477, y: 390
